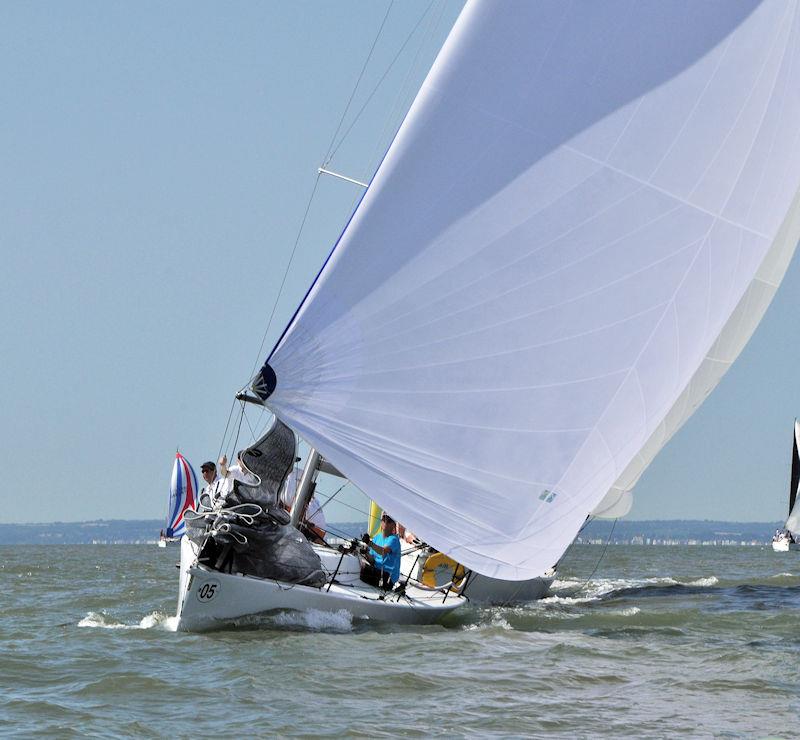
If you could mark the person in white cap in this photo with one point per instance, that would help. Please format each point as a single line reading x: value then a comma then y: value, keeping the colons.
x: 222, y: 487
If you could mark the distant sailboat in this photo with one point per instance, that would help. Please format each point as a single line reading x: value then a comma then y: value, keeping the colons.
x: 786, y: 539
x: 182, y: 497
x: 577, y: 228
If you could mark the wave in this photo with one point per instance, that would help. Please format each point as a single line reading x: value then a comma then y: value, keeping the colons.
x: 555, y: 599
x: 630, y: 611
x: 582, y: 592
x: 154, y: 620
x: 495, y: 621
x: 709, y: 581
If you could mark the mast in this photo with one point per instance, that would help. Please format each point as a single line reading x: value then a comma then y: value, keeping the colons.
x: 306, y: 487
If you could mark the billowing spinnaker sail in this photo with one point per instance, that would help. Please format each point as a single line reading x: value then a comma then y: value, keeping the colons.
x: 182, y: 495
x: 793, y: 521
x: 578, y: 214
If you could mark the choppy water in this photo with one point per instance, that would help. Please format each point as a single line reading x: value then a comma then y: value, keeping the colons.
x: 663, y: 641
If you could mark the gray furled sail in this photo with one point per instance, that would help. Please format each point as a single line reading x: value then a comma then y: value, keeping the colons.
x: 271, y: 458
x: 251, y: 535
x: 578, y: 226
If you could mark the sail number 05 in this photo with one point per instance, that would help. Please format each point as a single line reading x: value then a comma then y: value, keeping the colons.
x: 208, y: 591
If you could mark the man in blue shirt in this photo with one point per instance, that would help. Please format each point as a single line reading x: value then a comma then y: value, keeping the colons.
x: 384, y: 553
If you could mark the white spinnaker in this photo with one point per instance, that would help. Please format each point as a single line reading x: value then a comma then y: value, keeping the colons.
x: 793, y: 521
x: 726, y: 349
x: 567, y: 233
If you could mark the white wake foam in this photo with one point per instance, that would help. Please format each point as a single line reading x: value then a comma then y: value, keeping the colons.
x: 496, y: 622
x: 628, y: 612
x: 154, y: 620
x: 566, y: 600
x: 708, y: 581
x: 316, y: 620
x: 568, y: 592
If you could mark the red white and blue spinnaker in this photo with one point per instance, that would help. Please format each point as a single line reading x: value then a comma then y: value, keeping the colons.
x: 182, y: 495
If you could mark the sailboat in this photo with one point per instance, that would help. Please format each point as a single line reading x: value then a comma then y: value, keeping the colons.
x: 786, y: 539
x: 182, y: 498
x: 575, y: 231
x: 249, y: 557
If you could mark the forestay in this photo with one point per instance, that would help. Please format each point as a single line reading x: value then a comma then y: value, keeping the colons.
x: 573, y: 234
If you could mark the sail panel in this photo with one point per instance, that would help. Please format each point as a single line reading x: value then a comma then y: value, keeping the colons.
x: 616, y: 504
x: 529, y: 299
x: 732, y: 339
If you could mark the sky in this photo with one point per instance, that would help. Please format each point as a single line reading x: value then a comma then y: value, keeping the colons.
x: 157, y: 160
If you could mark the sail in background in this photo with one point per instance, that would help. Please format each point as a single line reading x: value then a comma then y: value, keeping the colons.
x: 577, y: 228
x: 374, y: 519
x: 182, y: 495
x: 793, y: 520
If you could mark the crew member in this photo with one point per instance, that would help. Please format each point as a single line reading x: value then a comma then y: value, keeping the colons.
x: 209, y: 472
x: 384, y: 553
x: 223, y: 485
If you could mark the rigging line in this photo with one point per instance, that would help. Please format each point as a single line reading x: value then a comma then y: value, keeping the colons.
x: 333, y: 495
x: 336, y: 532
x: 228, y: 440
x: 238, y: 430
x: 270, y: 417
x: 225, y: 433
x: 264, y: 410
x: 404, y: 95
x: 286, y: 273
x: 328, y: 155
x: 379, y: 83
x: 252, y: 433
x: 354, y: 508
x: 602, y: 554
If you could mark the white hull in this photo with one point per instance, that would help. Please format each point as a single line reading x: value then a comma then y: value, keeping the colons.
x: 210, y: 600
x: 785, y: 546
x: 483, y: 589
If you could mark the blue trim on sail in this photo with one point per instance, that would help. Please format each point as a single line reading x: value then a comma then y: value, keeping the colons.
x: 346, y: 226
x: 324, y: 264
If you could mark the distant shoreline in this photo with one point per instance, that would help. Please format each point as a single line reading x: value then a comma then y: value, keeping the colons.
x: 622, y: 532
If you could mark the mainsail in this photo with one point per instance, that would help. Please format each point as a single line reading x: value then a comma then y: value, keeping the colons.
x: 182, y: 495
x: 793, y: 520
x: 575, y: 231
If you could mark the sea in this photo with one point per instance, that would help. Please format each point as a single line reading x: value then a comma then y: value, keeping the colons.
x: 635, y: 641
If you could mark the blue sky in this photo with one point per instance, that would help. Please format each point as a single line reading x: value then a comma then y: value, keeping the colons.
x: 157, y: 160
